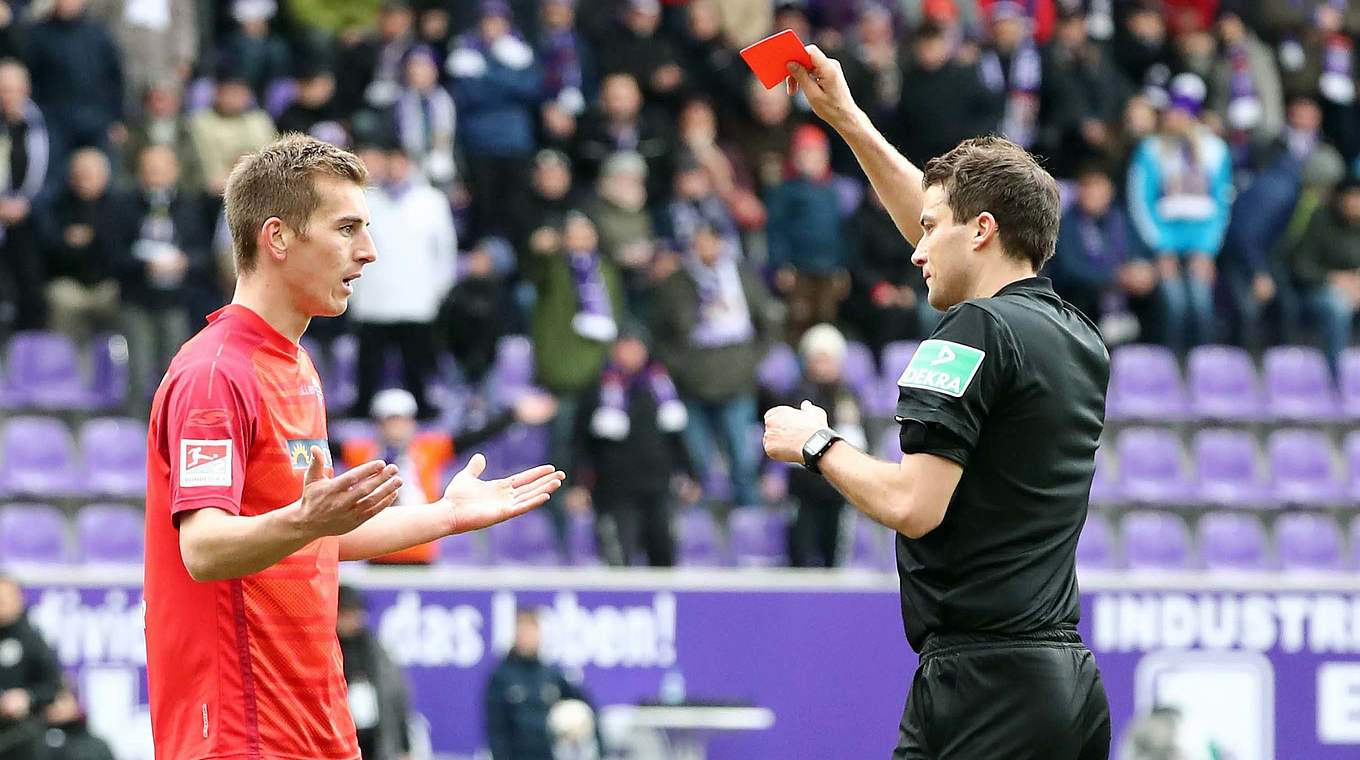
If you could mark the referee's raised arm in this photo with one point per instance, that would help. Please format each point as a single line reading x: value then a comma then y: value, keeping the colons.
x: 897, y: 180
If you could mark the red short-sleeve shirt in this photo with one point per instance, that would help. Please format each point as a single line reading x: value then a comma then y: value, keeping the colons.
x: 250, y: 667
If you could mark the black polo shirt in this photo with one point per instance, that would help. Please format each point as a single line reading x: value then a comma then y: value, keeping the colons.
x: 1012, y: 388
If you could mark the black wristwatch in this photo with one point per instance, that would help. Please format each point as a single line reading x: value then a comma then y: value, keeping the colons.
x: 816, y: 446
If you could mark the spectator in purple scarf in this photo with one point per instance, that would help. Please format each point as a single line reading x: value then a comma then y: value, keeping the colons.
x: 568, y: 71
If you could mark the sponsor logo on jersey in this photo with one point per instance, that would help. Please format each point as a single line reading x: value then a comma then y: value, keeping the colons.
x: 204, y: 463
x: 942, y: 366
x: 300, y: 451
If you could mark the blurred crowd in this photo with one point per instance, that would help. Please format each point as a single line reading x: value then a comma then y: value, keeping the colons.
x: 609, y: 179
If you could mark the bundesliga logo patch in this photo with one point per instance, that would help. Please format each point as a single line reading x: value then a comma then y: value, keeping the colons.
x: 204, y: 463
x: 942, y: 366
x: 300, y: 451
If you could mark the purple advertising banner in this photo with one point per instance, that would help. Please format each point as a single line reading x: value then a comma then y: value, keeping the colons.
x: 1259, y: 667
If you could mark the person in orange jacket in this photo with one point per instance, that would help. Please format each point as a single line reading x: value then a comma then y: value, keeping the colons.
x: 422, y: 457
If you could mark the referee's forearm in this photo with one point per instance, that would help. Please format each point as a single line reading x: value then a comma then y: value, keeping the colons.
x: 394, y: 529
x: 896, y: 180
x: 875, y: 487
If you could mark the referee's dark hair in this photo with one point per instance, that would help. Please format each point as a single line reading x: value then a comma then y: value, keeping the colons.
x: 995, y: 175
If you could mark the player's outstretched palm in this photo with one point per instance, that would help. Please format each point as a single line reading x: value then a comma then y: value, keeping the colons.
x: 478, y: 503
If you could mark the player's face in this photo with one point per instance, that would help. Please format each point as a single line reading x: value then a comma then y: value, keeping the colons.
x: 322, y: 265
x: 944, y: 252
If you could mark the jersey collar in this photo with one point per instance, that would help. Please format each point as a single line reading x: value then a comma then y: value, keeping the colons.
x: 1040, y: 286
x: 257, y: 324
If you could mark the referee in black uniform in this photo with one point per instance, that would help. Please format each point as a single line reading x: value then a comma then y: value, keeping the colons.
x: 1000, y: 413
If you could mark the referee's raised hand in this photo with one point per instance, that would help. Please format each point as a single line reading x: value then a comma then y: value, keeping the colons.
x: 825, y: 88
x: 335, y: 506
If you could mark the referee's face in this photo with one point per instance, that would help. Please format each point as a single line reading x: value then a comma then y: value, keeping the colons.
x: 944, y: 252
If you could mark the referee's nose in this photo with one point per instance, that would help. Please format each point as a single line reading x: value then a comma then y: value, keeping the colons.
x: 919, y: 257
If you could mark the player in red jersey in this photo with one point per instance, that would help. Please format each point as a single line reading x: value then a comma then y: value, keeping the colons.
x: 245, y: 524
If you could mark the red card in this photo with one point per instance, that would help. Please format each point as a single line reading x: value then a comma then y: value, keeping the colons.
x: 770, y: 57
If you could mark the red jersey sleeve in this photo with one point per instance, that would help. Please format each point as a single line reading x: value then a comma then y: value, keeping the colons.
x: 210, y: 422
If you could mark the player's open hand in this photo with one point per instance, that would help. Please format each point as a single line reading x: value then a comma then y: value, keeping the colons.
x: 335, y: 506
x: 475, y: 503
x: 787, y: 429
x: 825, y: 88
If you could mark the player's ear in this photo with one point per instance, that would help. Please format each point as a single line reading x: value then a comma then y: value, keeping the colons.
x: 274, y: 239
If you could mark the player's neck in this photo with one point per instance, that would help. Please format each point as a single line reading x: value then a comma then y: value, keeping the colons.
x: 272, y: 306
x: 1006, y: 271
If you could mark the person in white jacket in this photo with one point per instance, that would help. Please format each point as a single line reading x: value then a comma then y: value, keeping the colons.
x: 395, y: 303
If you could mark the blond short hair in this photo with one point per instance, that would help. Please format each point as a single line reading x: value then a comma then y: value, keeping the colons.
x: 279, y: 180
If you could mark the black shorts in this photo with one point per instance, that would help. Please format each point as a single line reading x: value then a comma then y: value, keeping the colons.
x: 1033, y: 697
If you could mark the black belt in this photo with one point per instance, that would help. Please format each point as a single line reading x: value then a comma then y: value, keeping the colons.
x: 945, y: 643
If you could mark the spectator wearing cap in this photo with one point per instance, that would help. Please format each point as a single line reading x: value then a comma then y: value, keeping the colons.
x: 1179, y: 193
x: 713, y: 323
x: 233, y: 127
x: 25, y: 168
x: 377, y: 690
x: 570, y: 79
x: 1081, y: 98
x: 397, y: 300
x: 497, y: 84
x: 619, y: 208
x: 630, y: 448
x: 315, y: 100
x: 260, y: 55
x: 164, y: 269
x: 424, y: 117
x: 423, y: 457
x: 637, y: 46
x: 1101, y: 266
x: 1247, y: 95
x: 80, y: 244
x: 77, y: 76
x: 805, y: 236
x: 162, y: 121
x: 887, y: 299
x: 576, y: 316
x: 815, y: 536
x: 619, y: 121
x: 551, y: 196
x: 1325, y: 263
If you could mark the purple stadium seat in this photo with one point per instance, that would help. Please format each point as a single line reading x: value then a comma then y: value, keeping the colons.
x: 199, y: 94
x: 1152, y: 467
x: 1145, y: 384
x: 110, y: 533
x: 32, y: 533
x: 1299, y: 384
x: 278, y: 95
x: 1301, y: 461
x: 525, y: 540
x: 114, y: 452
x: 858, y: 369
x: 44, y: 372
x: 871, y: 546
x: 109, y: 371
x: 879, y: 399
x: 341, y: 384
x: 1232, y: 541
x: 1095, y: 546
x: 518, y: 448
x: 1349, y: 382
x: 1155, y: 540
x: 1222, y: 384
x: 1354, y: 554
x: 514, y: 365
x: 37, y: 458
x: 698, y: 542
x: 779, y: 372
x: 1227, y: 462
x: 759, y: 537
x: 1351, y: 449
x: 896, y: 356
x: 1104, y: 486
x: 1308, y: 542
x: 462, y: 550
x: 581, y: 546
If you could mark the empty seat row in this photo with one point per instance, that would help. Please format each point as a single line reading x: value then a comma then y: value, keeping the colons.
x: 47, y: 371
x: 1226, y: 468
x: 1294, y: 383
x: 40, y: 458
x: 1154, y: 540
x: 39, y: 534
